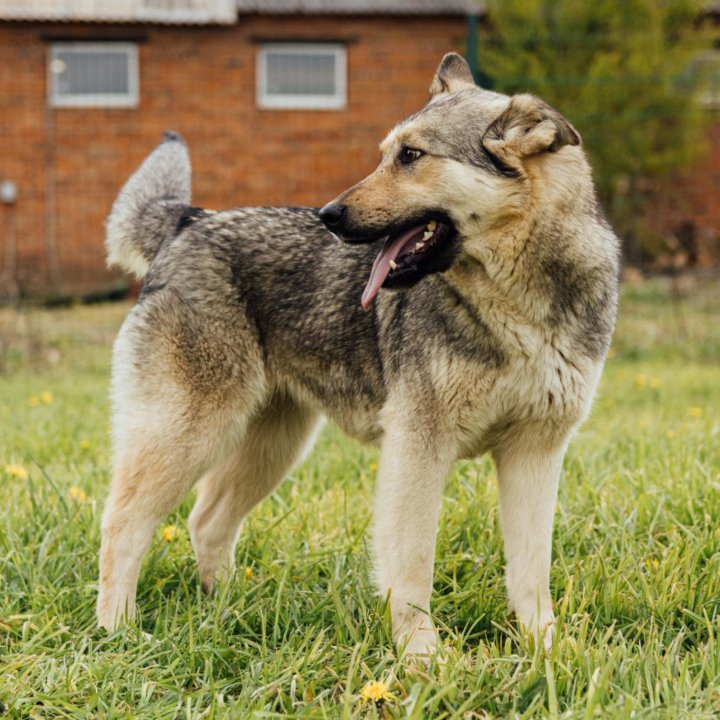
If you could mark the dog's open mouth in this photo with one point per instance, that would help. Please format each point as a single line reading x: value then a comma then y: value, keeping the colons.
x: 409, y: 255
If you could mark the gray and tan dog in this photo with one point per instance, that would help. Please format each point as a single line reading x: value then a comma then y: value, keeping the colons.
x: 482, y: 216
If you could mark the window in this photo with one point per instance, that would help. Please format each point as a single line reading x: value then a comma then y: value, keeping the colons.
x: 301, y: 76
x: 93, y: 74
x: 705, y: 73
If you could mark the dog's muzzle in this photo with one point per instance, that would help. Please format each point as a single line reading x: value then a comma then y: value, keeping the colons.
x: 421, y: 245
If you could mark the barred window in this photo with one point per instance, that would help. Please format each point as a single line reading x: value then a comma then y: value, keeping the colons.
x: 301, y: 76
x: 705, y: 72
x: 93, y: 74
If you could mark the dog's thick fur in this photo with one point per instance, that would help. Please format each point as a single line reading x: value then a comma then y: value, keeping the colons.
x: 249, y: 327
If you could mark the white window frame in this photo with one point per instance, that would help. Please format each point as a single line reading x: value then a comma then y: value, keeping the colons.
x: 337, y: 101
x: 707, y: 98
x: 129, y: 99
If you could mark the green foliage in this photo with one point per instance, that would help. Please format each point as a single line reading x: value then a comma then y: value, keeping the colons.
x: 618, y: 70
x: 636, y: 571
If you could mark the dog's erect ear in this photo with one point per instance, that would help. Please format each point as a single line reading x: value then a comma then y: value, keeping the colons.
x: 528, y: 127
x: 453, y: 74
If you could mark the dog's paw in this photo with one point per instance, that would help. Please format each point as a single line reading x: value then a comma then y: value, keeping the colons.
x: 542, y: 629
x: 535, y: 616
x: 420, y: 644
x: 109, y: 623
x: 549, y: 636
x: 112, y: 615
x: 546, y: 634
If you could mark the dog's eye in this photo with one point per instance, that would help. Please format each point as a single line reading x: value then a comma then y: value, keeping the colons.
x: 409, y: 155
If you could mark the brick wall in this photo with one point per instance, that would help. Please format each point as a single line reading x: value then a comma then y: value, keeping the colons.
x: 69, y: 163
x: 685, y: 209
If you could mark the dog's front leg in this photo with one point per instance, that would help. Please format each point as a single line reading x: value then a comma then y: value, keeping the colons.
x: 528, y: 483
x: 410, y: 482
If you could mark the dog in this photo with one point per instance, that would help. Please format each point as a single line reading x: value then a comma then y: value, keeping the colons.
x: 460, y: 300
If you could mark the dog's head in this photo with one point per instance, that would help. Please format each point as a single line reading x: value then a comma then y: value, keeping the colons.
x: 448, y: 174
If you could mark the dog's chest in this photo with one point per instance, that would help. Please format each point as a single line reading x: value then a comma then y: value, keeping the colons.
x: 553, y: 384
x: 543, y: 384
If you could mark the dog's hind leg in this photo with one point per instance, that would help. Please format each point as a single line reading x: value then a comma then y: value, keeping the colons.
x: 528, y: 477
x: 274, y: 440
x: 181, y: 399
x: 153, y: 473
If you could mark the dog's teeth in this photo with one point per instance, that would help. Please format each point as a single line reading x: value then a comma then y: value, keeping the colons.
x: 393, y: 264
x: 427, y: 235
x: 431, y: 226
x: 419, y: 246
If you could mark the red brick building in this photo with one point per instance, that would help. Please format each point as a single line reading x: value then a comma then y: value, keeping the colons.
x: 280, y: 101
x: 682, y: 212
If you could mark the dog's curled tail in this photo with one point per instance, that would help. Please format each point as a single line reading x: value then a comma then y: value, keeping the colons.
x: 150, y: 206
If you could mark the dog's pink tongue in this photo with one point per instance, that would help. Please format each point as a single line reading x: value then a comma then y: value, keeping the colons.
x: 381, y: 266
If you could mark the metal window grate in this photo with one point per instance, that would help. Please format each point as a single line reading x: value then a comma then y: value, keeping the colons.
x: 705, y: 71
x: 302, y: 76
x: 93, y: 74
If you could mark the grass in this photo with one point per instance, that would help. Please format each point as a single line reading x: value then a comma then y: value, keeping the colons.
x: 299, y: 632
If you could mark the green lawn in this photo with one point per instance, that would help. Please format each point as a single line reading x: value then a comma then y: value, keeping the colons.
x: 299, y: 632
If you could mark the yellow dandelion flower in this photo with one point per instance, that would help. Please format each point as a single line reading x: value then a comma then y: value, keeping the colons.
x: 248, y: 572
x: 373, y: 467
x: 377, y: 692
x: 654, y: 383
x: 17, y: 471
x: 84, y: 444
x: 46, y: 397
x: 652, y: 564
x: 695, y: 412
x: 169, y: 532
x: 670, y: 434
x: 78, y: 494
x: 34, y: 401
x: 640, y: 381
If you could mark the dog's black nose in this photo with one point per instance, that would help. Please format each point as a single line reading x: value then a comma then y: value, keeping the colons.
x: 332, y: 215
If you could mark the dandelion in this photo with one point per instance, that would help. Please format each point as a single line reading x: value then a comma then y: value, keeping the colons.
x: 373, y: 467
x: 46, y: 397
x: 169, y: 532
x: 377, y: 692
x: 84, y: 444
x: 654, y: 383
x: 34, y: 401
x: 78, y: 494
x: 17, y: 471
x: 695, y: 412
x: 652, y: 564
x: 248, y: 572
x: 640, y: 381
